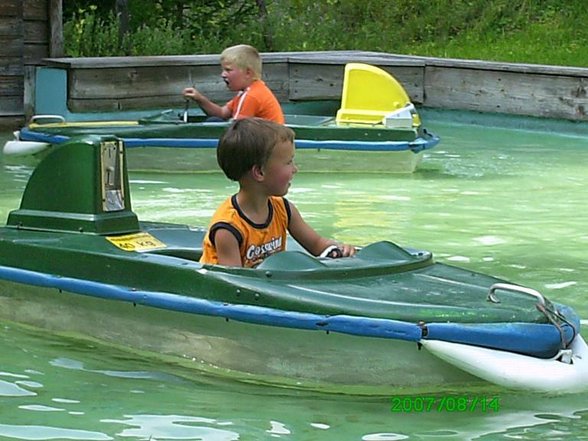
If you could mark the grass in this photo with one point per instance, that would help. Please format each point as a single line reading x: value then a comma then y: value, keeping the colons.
x: 523, y: 31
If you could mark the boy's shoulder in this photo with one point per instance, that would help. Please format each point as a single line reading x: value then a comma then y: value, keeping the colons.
x: 258, y: 84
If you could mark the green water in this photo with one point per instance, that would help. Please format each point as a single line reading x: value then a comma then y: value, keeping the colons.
x: 506, y: 202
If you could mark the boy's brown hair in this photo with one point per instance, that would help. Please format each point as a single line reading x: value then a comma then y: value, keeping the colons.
x: 248, y: 142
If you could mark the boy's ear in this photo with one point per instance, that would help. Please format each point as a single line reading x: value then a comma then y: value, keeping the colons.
x: 257, y: 173
x: 249, y: 72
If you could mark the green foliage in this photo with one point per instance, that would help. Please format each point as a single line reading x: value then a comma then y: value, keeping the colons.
x: 161, y: 38
x: 162, y: 27
x: 89, y: 35
x: 527, y: 31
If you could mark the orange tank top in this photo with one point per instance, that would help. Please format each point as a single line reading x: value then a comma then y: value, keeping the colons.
x: 256, y: 241
x: 257, y: 100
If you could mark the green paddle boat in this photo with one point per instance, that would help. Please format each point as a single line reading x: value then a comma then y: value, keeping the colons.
x: 375, y: 128
x: 75, y: 260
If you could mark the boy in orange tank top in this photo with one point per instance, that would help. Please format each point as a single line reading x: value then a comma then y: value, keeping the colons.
x: 253, y: 224
x: 241, y: 71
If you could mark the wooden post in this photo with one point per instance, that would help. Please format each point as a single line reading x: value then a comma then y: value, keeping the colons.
x: 122, y: 12
x: 11, y: 64
x: 55, y: 15
x: 265, y: 27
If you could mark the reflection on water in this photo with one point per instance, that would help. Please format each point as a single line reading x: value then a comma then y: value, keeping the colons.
x: 85, y: 392
x: 505, y: 202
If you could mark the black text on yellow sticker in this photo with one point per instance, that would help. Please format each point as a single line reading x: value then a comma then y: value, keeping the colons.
x: 136, y: 242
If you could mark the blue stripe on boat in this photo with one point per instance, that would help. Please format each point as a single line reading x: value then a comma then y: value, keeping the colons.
x: 415, y: 146
x: 536, y: 339
x: 362, y: 326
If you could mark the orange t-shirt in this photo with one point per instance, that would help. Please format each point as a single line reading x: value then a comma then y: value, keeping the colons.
x: 256, y: 241
x: 257, y: 100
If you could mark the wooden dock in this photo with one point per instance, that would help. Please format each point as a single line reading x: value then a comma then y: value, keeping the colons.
x: 140, y: 83
x: 30, y: 30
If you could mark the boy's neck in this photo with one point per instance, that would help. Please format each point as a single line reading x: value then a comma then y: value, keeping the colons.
x: 250, y: 83
x: 253, y: 205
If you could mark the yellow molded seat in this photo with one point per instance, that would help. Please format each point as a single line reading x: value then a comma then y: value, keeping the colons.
x: 369, y: 94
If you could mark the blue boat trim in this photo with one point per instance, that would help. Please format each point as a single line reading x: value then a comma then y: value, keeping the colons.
x: 415, y: 146
x: 541, y: 340
x: 508, y: 336
x: 361, y: 326
x: 29, y: 135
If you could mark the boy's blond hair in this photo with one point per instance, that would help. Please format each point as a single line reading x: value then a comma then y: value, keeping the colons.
x: 244, y: 57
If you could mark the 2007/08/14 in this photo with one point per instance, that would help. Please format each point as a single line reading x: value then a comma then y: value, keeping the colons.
x: 444, y: 404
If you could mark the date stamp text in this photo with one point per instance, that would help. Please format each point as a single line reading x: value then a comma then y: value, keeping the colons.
x: 447, y: 403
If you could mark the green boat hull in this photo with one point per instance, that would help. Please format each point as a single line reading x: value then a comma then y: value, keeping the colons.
x: 74, y: 259
x: 278, y: 356
x: 168, y: 141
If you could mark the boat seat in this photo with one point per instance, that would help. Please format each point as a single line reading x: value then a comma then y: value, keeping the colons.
x: 369, y: 95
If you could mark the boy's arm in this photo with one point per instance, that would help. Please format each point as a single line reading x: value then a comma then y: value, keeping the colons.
x: 209, y: 107
x: 306, y: 236
x: 227, y: 248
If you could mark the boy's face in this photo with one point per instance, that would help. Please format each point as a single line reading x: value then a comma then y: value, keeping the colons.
x: 234, y: 77
x: 280, y: 169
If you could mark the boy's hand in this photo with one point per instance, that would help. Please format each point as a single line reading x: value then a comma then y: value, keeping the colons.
x: 338, y: 250
x: 347, y: 250
x: 191, y: 92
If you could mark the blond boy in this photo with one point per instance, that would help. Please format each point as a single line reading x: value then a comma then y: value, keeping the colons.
x: 241, y: 72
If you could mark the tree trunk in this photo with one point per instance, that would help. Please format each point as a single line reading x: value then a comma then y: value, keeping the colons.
x: 266, y: 33
x: 55, y: 29
x: 122, y: 12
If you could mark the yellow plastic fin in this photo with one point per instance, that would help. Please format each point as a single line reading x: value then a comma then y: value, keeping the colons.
x: 369, y: 94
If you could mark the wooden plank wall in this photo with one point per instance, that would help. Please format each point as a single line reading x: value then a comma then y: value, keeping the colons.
x: 519, y: 89
x: 131, y: 83
x: 105, y: 85
x: 11, y: 61
x: 30, y: 30
x: 320, y: 76
x: 136, y: 83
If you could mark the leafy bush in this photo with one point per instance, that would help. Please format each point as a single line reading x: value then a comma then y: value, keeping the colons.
x: 89, y: 35
x: 532, y: 31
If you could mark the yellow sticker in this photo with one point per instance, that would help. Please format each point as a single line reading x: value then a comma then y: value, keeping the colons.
x: 136, y: 242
